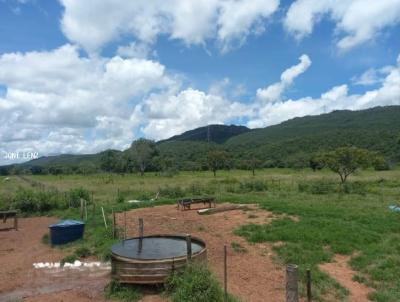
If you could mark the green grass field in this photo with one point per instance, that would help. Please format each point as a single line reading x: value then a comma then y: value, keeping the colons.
x: 352, y: 219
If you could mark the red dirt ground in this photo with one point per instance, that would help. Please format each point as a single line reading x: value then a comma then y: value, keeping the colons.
x: 340, y: 270
x: 18, y: 279
x: 253, y: 276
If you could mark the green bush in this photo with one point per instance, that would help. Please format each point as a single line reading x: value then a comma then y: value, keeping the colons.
x: 68, y: 259
x: 76, y: 194
x: 253, y: 186
x: 196, y: 284
x: 82, y: 252
x: 29, y: 201
x: 117, y: 291
x: 120, y: 199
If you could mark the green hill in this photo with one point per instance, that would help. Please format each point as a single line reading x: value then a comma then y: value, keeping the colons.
x: 212, y: 133
x: 289, y: 144
x: 375, y: 129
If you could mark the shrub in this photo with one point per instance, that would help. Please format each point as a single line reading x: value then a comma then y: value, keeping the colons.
x: 120, y: 199
x: 28, y: 201
x: 196, y: 284
x: 69, y: 259
x: 253, y: 186
x: 116, y: 290
x: 82, y: 252
x: 76, y: 194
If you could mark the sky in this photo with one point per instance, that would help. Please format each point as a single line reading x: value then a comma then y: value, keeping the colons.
x: 85, y: 76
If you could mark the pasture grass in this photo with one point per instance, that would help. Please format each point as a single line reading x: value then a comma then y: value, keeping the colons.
x: 321, y: 217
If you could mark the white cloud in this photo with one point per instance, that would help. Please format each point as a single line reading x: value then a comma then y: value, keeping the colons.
x: 92, y: 24
x: 135, y: 50
x: 61, y: 102
x: 274, y: 92
x: 57, y: 101
x: 357, y: 21
x: 167, y: 115
x: 337, y: 98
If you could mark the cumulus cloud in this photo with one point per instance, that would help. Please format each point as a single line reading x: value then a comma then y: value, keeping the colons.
x: 357, y: 21
x: 92, y: 24
x: 337, y: 98
x: 58, y: 101
x: 167, y: 115
x: 62, y: 102
x: 274, y: 92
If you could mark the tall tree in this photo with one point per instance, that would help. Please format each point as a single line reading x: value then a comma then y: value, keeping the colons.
x: 108, y: 160
x: 142, y: 152
x: 346, y: 160
x: 217, y: 159
x: 317, y: 162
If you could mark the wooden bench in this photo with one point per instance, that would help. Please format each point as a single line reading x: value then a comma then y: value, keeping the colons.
x: 4, y: 215
x: 185, y: 204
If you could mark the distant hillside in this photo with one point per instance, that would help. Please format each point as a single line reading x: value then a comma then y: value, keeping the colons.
x: 289, y: 144
x: 212, y: 133
x: 292, y: 142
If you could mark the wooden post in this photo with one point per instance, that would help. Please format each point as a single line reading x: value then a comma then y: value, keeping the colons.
x: 94, y: 211
x: 125, y: 225
x: 141, y: 231
x: 309, y: 295
x: 225, y: 273
x: 141, y: 228
x: 292, y: 290
x: 189, y: 247
x: 104, y: 218
x: 81, y: 200
x: 85, y: 210
x: 16, y: 222
x: 113, y: 225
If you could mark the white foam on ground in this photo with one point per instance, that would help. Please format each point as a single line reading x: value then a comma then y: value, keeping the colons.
x: 76, y: 264
x: 134, y: 201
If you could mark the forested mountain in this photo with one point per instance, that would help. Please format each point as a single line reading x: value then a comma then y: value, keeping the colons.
x: 289, y: 144
x: 211, y: 133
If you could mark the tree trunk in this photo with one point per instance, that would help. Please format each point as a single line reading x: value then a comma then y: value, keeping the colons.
x: 215, y: 172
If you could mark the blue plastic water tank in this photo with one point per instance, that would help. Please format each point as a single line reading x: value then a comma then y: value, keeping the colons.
x: 66, y: 231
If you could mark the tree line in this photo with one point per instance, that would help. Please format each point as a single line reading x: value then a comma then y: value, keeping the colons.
x: 144, y: 156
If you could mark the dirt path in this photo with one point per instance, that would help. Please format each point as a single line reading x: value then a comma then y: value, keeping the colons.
x: 253, y: 275
x: 18, y: 279
x: 340, y: 270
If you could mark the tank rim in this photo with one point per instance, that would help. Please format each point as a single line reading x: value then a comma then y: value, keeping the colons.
x: 167, y: 259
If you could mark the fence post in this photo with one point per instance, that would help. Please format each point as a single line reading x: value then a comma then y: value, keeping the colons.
x: 113, y: 224
x: 141, y: 231
x: 292, y: 290
x: 124, y: 224
x: 189, y: 247
x: 225, y: 274
x: 104, y: 217
x: 309, y: 295
x: 141, y: 228
x: 81, y: 200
